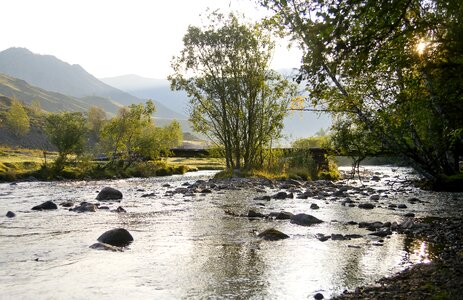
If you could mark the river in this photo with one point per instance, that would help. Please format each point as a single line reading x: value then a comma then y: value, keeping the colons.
x: 186, y: 247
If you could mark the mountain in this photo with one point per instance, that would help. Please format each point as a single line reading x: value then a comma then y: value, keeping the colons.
x: 297, y: 124
x: 49, y: 73
x: 158, y: 89
x: 50, y: 101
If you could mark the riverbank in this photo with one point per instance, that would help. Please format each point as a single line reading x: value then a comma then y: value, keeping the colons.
x: 441, y: 278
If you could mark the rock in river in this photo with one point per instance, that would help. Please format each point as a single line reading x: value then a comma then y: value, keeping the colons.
x: 366, y: 206
x: 272, y: 235
x: 116, y: 237
x: 10, y: 214
x: 107, y: 247
x: 45, y: 206
x: 85, y: 207
x: 305, y: 220
x: 109, y: 193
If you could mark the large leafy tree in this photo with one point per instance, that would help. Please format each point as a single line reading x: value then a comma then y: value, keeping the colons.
x: 236, y: 100
x: 394, y: 67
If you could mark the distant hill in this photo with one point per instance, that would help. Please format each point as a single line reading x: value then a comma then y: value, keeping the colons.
x: 297, y: 124
x: 49, y: 73
x: 51, y: 101
x: 158, y: 89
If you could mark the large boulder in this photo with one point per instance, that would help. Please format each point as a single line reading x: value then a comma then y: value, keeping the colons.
x: 109, y: 193
x: 304, y: 220
x: 48, y: 205
x: 272, y: 235
x: 116, y: 237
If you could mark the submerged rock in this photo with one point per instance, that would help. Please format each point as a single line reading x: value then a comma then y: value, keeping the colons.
x: 85, y: 207
x: 281, y: 196
x: 109, y: 193
x: 272, y: 235
x: 366, y: 206
x: 119, y: 237
x: 107, y: 247
x: 48, y: 205
x: 283, y: 215
x: 255, y: 214
x: 305, y: 220
x: 10, y: 214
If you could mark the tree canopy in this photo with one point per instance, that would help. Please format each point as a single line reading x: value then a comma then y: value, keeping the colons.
x: 17, y: 119
x: 237, y: 101
x: 67, y: 132
x: 394, y: 67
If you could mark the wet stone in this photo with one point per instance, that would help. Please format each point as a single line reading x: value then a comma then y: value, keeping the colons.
x: 119, y: 237
x: 272, y: 235
x: 48, y: 205
x: 10, y: 214
x: 366, y: 206
x: 109, y: 193
x: 314, y: 206
x: 305, y: 220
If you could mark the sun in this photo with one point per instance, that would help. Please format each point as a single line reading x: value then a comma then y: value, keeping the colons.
x: 421, y: 47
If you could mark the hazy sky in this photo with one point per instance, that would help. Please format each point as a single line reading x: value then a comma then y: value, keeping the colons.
x: 115, y: 37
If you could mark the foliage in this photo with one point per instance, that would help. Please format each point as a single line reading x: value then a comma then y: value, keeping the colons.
x: 96, y: 119
x: 17, y: 119
x: 67, y: 132
x: 154, y: 142
x: 393, y: 68
x: 121, y: 134
x: 236, y: 100
x: 311, y: 142
x: 36, y: 108
x: 353, y: 140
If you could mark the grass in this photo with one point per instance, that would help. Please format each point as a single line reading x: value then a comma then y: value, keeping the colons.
x: 200, y: 163
x: 18, y: 163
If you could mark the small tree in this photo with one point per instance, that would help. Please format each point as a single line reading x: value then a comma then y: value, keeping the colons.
x: 36, y: 108
x: 354, y: 141
x: 66, y: 132
x: 121, y: 134
x: 96, y: 119
x: 154, y: 142
x: 17, y: 119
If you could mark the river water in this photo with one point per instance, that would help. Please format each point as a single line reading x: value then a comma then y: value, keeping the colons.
x: 186, y: 247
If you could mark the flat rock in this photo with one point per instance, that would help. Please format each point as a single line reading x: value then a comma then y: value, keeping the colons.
x: 255, y: 214
x: 272, y: 235
x: 109, y: 193
x: 48, y: 205
x: 85, y: 207
x: 366, y: 205
x: 305, y: 220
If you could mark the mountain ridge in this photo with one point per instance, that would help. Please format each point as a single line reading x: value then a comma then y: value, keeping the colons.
x: 52, y: 74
